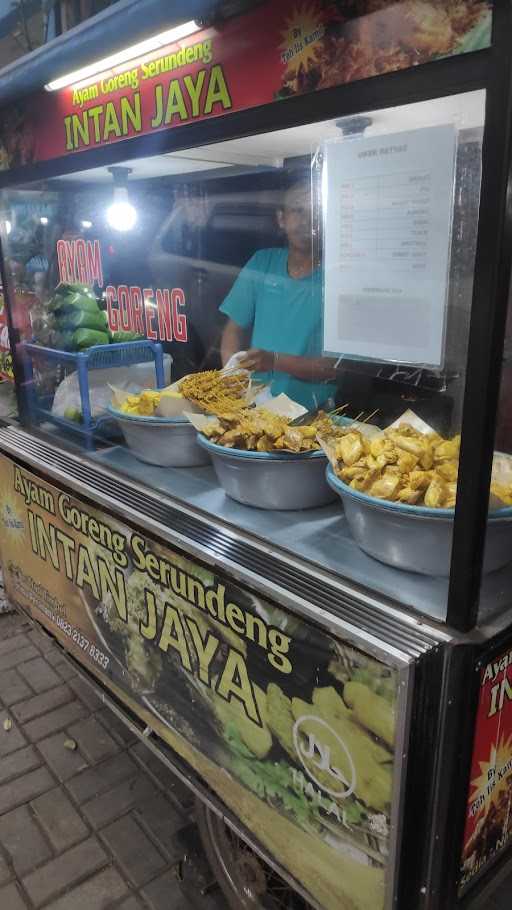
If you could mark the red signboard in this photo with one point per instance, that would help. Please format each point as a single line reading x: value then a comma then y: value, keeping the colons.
x: 276, y: 51
x: 489, y: 811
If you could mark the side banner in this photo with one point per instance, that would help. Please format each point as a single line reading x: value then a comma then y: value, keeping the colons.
x: 489, y: 812
x: 294, y: 730
x: 6, y: 369
x: 275, y: 51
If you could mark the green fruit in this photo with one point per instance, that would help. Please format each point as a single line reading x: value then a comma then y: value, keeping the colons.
x: 73, y: 414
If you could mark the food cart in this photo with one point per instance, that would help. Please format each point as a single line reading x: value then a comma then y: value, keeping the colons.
x: 330, y: 676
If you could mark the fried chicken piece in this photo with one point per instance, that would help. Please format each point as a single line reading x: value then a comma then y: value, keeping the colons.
x: 407, y: 462
x: 448, y: 470
x: 447, y: 450
x: 420, y: 480
x: 409, y: 496
x: 350, y: 448
x: 436, y: 494
x: 385, y: 487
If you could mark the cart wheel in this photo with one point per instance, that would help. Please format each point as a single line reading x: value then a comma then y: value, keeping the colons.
x: 247, y: 882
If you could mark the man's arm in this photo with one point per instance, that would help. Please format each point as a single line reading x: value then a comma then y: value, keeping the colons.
x: 309, y: 369
x: 234, y: 339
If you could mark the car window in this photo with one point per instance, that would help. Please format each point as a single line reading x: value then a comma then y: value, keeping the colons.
x: 230, y: 237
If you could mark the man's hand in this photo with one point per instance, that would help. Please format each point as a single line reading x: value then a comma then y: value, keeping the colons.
x: 258, y: 360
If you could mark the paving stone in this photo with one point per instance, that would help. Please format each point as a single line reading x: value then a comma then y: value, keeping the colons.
x: 19, y: 763
x: 17, y: 658
x: 95, y: 781
x: 38, y: 673
x: 11, y: 899
x: 97, y: 893
x: 54, y: 720
x: 172, y: 785
x: 13, y: 688
x: 165, y: 894
x: 128, y: 795
x: 25, y: 788
x: 14, y: 643
x: 41, y: 641
x: 93, y: 739
x: 163, y: 821
x: 54, y: 656
x: 65, y: 871
x: 10, y: 740
x: 5, y: 872
x: 65, y: 670
x: 86, y: 693
x: 41, y: 704
x: 64, y: 763
x: 131, y: 903
x: 23, y: 840
x: 59, y: 818
x: 133, y: 850
x: 117, y: 727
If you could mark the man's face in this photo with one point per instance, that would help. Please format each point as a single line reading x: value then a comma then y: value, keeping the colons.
x: 295, y: 219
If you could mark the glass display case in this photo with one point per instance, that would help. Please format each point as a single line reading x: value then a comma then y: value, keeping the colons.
x: 335, y: 261
x: 258, y: 483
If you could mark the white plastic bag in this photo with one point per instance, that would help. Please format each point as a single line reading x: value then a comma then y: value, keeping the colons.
x: 130, y: 379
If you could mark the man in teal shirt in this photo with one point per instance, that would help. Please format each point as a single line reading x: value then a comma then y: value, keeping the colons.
x: 275, y: 310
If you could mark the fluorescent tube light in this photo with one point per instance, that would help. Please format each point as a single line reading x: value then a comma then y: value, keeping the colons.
x: 129, y: 53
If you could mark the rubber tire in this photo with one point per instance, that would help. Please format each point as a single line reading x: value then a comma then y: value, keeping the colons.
x: 209, y: 823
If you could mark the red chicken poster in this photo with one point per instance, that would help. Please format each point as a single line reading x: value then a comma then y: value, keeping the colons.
x: 273, y: 52
x: 489, y: 812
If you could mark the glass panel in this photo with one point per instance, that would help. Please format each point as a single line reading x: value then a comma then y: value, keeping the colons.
x: 497, y: 578
x: 336, y: 260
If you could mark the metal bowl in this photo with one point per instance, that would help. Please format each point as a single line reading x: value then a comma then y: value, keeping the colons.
x: 170, y: 442
x: 414, y: 537
x: 271, y: 480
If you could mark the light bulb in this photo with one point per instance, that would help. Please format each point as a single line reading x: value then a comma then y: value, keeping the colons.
x: 86, y: 225
x: 43, y: 220
x: 8, y: 227
x: 121, y: 215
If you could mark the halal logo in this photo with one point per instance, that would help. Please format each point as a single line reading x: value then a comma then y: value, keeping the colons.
x: 10, y: 519
x: 314, y: 740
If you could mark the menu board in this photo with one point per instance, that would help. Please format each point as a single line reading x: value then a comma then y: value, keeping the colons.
x: 388, y: 206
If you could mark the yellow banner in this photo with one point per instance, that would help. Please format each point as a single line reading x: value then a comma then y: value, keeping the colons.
x: 293, y: 729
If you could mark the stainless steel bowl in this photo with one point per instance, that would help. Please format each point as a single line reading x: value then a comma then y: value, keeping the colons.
x: 170, y: 442
x: 271, y: 480
x: 414, y: 537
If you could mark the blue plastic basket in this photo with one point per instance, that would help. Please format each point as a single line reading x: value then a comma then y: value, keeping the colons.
x: 98, y: 357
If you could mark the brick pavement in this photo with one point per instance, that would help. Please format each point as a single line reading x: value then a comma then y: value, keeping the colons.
x: 103, y: 825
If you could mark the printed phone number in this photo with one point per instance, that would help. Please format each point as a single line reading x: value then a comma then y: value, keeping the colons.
x: 82, y: 642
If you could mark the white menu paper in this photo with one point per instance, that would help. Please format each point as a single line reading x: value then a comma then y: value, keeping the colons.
x: 388, y: 206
